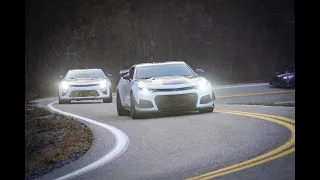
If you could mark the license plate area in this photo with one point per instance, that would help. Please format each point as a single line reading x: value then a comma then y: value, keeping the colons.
x: 88, y: 93
x: 167, y: 102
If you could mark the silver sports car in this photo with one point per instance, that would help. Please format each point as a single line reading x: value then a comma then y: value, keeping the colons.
x: 166, y: 86
x: 85, y: 84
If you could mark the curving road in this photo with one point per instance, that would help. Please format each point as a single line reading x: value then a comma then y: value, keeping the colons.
x: 191, y: 145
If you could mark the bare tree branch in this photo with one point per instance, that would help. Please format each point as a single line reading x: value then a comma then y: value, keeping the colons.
x: 57, y: 52
x: 70, y: 45
x: 79, y: 62
x: 60, y: 40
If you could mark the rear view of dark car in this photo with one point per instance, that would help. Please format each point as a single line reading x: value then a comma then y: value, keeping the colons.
x: 284, y: 78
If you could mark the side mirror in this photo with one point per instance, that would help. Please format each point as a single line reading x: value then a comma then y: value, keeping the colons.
x: 199, y: 71
x: 109, y: 75
x: 123, y: 72
x: 126, y: 77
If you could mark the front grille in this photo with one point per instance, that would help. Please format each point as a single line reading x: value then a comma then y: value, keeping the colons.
x: 174, y: 89
x: 172, y: 102
x: 84, y: 93
x: 83, y: 85
x: 284, y: 83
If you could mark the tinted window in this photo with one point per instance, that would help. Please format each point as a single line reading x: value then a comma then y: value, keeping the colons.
x: 163, y: 70
x: 85, y: 74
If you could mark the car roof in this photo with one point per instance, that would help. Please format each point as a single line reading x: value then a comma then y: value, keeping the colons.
x: 159, y: 63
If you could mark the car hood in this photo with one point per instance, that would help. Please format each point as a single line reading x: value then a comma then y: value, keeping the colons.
x: 169, y: 80
x: 84, y: 81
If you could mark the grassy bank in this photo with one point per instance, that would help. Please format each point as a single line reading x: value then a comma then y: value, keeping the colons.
x: 52, y: 140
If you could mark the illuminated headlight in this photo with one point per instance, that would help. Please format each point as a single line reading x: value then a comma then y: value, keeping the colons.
x: 103, y: 85
x: 64, y: 85
x: 204, y: 85
x: 288, y: 77
x: 145, y: 90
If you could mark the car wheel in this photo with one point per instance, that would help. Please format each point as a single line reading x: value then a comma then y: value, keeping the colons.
x: 109, y: 99
x: 134, y: 113
x: 121, y: 111
x: 206, y: 110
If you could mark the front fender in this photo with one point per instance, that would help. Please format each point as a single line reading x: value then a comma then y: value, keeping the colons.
x: 135, y: 91
x: 59, y: 90
x: 120, y: 90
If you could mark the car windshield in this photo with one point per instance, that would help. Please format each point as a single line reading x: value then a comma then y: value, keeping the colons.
x: 84, y: 74
x: 144, y: 72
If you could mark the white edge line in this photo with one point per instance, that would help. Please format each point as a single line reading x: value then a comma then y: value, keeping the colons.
x: 121, y: 144
x: 284, y: 102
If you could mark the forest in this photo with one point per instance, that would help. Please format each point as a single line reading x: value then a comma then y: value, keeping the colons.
x: 231, y: 40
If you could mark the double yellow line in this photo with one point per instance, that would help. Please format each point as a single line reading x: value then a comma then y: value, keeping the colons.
x: 279, y: 152
x: 255, y: 94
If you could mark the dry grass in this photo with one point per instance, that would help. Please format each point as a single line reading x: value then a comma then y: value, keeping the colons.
x: 50, y: 138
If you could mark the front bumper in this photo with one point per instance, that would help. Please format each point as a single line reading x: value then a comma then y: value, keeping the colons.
x: 71, y: 93
x: 174, y: 101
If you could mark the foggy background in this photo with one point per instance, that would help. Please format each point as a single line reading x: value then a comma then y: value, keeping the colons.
x: 232, y: 40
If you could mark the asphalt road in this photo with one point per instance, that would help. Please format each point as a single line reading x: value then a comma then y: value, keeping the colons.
x: 253, y: 93
x: 181, y: 146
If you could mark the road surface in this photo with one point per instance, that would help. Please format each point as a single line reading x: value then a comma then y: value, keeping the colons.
x: 192, y: 145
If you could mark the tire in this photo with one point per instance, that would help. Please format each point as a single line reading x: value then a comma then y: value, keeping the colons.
x: 206, y: 110
x: 64, y: 101
x: 133, y: 111
x: 121, y: 111
x: 109, y: 99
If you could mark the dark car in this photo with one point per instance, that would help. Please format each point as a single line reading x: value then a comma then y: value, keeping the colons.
x: 285, y: 78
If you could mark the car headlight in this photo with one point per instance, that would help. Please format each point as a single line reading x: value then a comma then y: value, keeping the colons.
x: 288, y: 77
x: 145, y: 90
x: 103, y: 85
x: 64, y: 85
x: 204, y: 85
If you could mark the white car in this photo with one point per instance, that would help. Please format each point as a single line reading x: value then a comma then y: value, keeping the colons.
x: 85, y: 84
x: 160, y: 87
